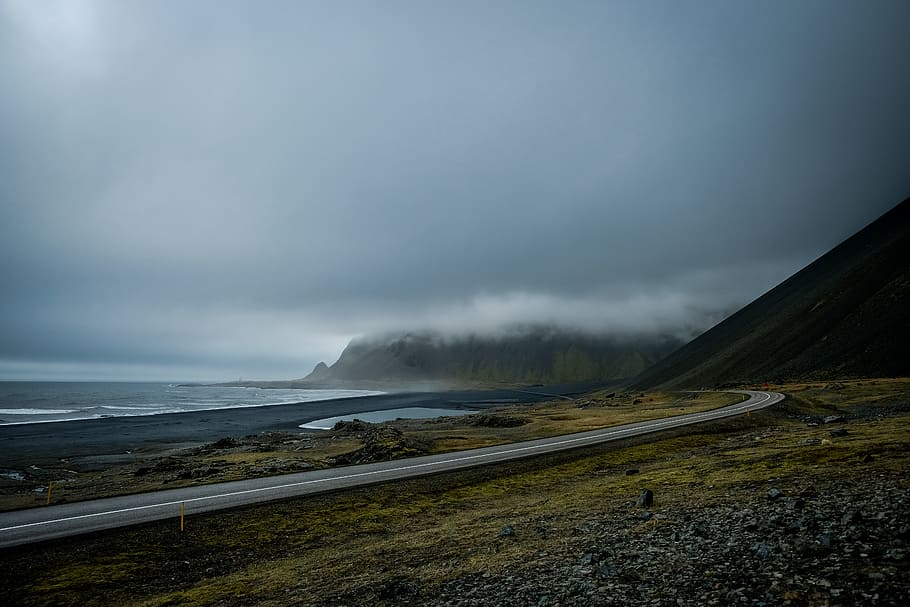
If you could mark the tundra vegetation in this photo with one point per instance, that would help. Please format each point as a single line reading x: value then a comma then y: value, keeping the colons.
x: 505, y: 530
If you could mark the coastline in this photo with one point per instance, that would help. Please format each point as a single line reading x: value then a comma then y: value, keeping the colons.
x: 34, y: 444
x: 41, y: 442
x: 779, y: 482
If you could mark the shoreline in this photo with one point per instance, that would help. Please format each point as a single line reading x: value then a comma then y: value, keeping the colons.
x: 42, y: 442
x: 203, y: 410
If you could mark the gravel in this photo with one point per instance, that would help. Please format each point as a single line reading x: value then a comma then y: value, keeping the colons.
x: 846, y: 544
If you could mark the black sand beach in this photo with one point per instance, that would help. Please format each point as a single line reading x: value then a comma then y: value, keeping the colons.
x: 28, y: 444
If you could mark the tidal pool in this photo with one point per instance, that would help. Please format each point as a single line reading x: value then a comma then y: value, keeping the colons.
x: 383, y: 416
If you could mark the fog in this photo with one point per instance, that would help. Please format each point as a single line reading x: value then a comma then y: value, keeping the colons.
x: 213, y: 190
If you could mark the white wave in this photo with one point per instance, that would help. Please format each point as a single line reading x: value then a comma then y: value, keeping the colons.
x: 37, y: 411
x: 308, y: 396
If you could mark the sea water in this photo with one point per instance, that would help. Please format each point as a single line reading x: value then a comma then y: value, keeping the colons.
x: 386, y: 415
x: 35, y: 402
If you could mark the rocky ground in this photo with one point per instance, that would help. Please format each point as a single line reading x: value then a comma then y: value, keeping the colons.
x: 829, y: 537
x: 845, y: 543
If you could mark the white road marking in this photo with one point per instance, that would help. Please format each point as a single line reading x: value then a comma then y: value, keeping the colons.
x: 744, y: 406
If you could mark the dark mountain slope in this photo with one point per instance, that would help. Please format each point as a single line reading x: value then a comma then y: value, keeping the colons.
x: 845, y: 315
x: 539, y: 355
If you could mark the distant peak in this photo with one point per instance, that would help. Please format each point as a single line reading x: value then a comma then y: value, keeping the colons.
x: 320, y: 371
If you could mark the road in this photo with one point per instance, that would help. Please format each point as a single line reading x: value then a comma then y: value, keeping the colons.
x: 38, y: 524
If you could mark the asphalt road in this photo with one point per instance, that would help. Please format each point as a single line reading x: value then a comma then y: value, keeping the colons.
x: 38, y: 524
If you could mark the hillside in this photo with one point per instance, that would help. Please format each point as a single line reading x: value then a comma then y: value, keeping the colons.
x: 845, y: 315
x: 529, y: 357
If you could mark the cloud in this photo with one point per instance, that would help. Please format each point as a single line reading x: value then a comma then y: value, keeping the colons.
x: 246, y: 192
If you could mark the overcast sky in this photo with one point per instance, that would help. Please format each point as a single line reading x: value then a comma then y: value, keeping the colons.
x: 208, y: 190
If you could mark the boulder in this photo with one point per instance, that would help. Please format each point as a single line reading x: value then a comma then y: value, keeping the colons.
x: 497, y: 421
x: 352, y: 426
x: 761, y: 550
x: 645, y: 499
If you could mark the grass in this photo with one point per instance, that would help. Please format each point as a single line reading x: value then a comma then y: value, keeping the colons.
x: 440, y: 435
x: 564, y: 417
x: 438, y: 528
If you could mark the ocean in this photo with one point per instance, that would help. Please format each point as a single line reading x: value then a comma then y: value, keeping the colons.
x: 37, y: 402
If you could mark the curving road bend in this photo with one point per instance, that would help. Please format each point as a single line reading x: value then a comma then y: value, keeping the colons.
x: 38, y: 524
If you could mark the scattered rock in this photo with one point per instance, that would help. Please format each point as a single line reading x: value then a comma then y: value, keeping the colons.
x: 198, y: 472
x: 507, y: 531
x: 496, y: 421
x: 747, y: 550
x: 276, y: 465
x: 380, y: 443
x: 397, y: 590
x: 833, y: 419
x: 800, y: 524
x: 254, y: 443
x: 775, y: 493
x: 631, y: 471
x: 225, y: 443
x: 850, y: 517
x: 809, y: 442
x: 351, y: 426
x: 645, y: 499
x: 167, y: 464
x: 838, y: 432
x: 896, y: 554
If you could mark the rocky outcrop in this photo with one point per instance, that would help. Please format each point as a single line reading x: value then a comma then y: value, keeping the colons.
x: 380, y: 443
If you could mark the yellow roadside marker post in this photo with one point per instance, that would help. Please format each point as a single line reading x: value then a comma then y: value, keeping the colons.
x: 182, y: 511
x: 50, y: 485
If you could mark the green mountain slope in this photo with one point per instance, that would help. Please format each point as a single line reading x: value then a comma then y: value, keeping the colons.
x: 530, y: 357
x: 845, y: 315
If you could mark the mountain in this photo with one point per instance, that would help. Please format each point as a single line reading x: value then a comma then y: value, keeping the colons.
x: 845, y: 315
x: 533, y: 356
